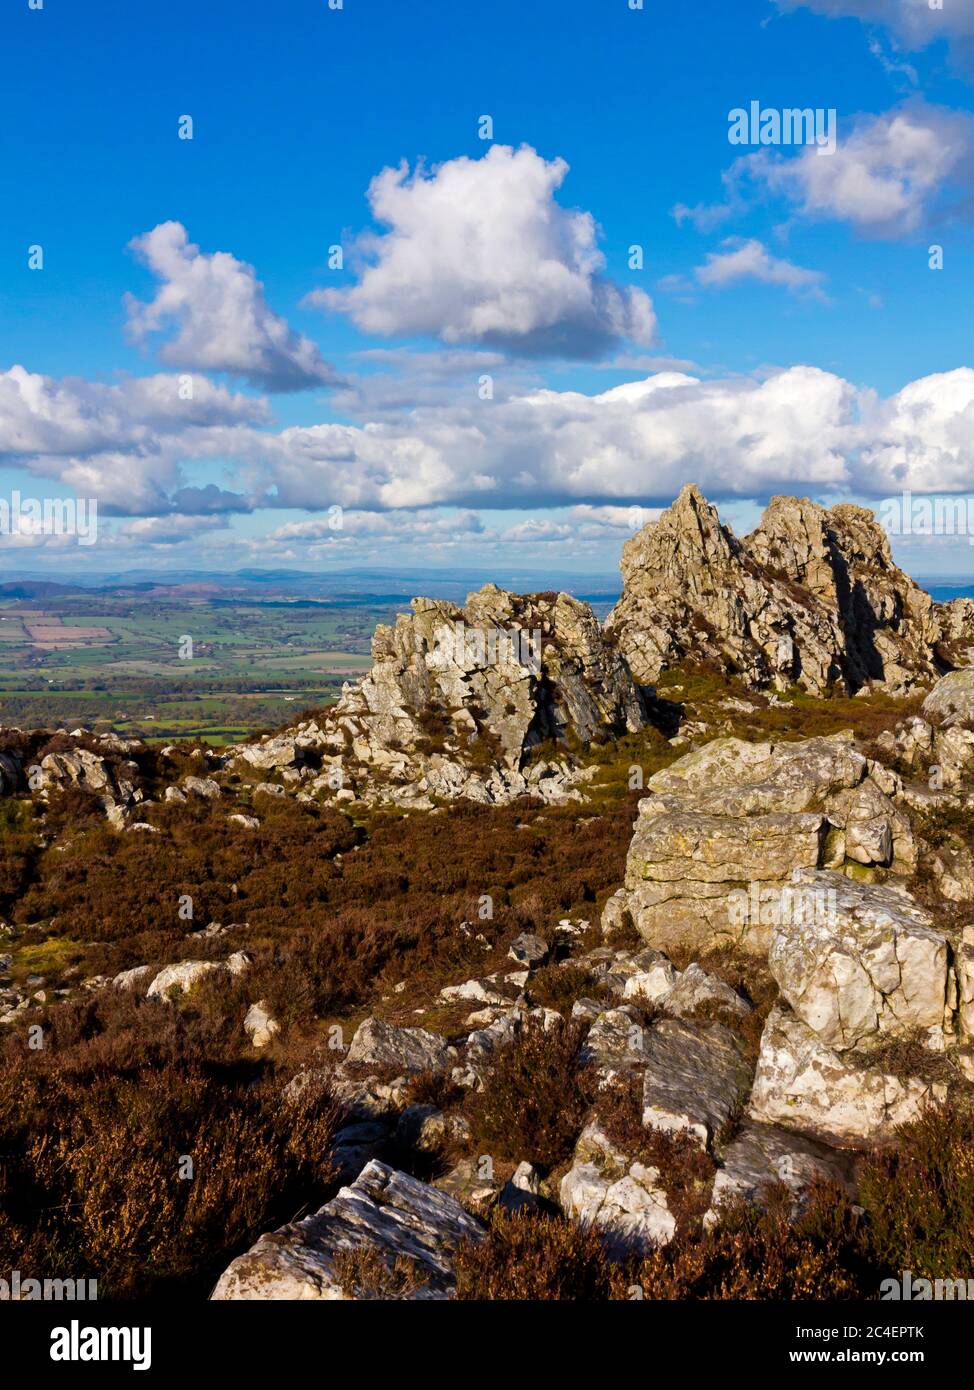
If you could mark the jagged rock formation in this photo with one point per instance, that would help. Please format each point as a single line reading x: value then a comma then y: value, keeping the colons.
x: 812, y: 597
x: 725, y: 829
x: 99, y: 764
x: 458, y: 697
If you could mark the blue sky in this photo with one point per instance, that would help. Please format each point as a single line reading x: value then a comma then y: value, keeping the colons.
x: 785, y: 332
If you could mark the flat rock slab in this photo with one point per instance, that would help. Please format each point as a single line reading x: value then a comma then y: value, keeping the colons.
x: 762, y: 1156
x: 412, y: 1049
x: 830, y: 764
x: 803, y: 1084
x: 679, y: 845
x: 696, y: 1078
x: 865, y: 966
x: 618, y: 1040
x: 384, y: 1211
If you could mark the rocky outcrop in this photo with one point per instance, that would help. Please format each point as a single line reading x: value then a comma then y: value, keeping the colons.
x: 803, y: 1084
x: 456, y: 700
x: 397, y: 1219
x: 942, y: 754
x: 695, y: 1079
x: 812, y: 597
x: 725, y: 829
x: 114, y: 783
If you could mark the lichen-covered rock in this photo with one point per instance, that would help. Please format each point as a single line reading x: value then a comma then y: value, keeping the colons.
x: 616, y: 1042
x: 619, y: 1196
x: 952, y: 698
x: 812, y: 597
x: 870, y: 969
x: 802, y: 1083
x: 386, y: 1213
x: 725, y: 829
x: 410, y: 1049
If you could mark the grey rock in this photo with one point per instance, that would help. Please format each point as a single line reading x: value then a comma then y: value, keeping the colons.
x: 762, y: 1156
x: 803, y: 1084
x: 696, y: 1079
x: 386, y: 1212
x: 412, y: 1049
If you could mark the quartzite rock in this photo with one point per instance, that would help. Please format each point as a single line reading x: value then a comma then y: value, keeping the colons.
x: 803, y: 1084
x: 812, y: 597
x: 384, y: 1212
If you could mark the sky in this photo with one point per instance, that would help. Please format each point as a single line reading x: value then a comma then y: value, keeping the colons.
x: 327, y: 284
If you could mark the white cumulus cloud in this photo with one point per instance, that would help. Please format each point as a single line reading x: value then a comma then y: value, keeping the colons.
x: 889, y: 176
x: 797, y: 429
x: 222, y: 320
x: 740, y: 259
x: 478, y: 251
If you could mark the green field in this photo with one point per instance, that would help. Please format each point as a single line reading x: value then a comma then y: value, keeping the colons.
x: 124, y: 663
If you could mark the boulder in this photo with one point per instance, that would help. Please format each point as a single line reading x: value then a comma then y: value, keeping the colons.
x: 620, y: 1197
x: 205, y: 787
x: 382, y: 1044
x: 132, y: 979
x: 529, y: 950
x: 696, y: 1079
x: 384, y: 1213
x: 760, y: 1157
x: 616, y: 1042
x: 952, y: 699
x: 801, y: 1083
x: 182, y: 977
x: 728, y: 828
x: 869, y: 969
x: 260, y: 1025
x: 521, y: 1192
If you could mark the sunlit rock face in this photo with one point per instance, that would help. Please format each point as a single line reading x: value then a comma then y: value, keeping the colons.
x: 811, y: 597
